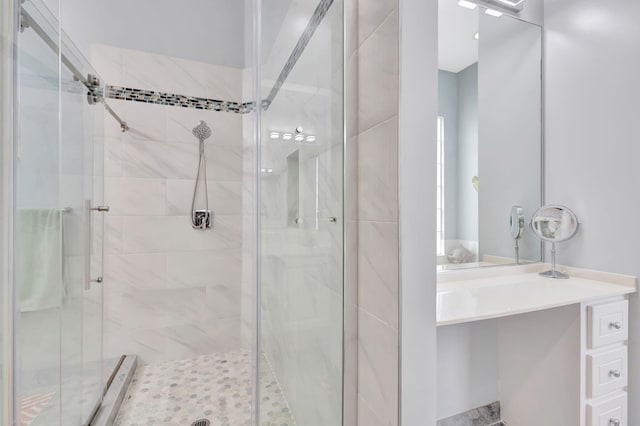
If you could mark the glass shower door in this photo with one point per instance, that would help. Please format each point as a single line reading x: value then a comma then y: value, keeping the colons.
x: 58, y: 239
x: 302, y: 219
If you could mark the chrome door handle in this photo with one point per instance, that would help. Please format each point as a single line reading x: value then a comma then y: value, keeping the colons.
x: 614, y: 422
x: 97, y: 280
x: 100, y: 209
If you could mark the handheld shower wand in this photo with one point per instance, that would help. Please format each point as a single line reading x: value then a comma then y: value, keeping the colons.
x: 201, y: 219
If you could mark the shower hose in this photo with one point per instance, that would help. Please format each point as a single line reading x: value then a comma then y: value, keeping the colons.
x: 202, y: 132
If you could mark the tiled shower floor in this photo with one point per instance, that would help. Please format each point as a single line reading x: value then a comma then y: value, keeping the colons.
x: 216, y: 387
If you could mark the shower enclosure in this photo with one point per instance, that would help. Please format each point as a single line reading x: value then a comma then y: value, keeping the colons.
x: 222, y: 303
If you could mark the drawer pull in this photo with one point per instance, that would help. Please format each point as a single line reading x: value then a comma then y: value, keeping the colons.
x: 616, y: 325
x: 614, y: 422
x: 614, y: 373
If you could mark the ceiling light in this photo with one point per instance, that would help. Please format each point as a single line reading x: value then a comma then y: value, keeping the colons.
x: 275, y: 135
x: 311, y: 138
x: 493, y: 12
x: 476, y: 36
x: 287, y: 137
x: 512, y: 3
x: 467, y: 4
x: 299, y: 138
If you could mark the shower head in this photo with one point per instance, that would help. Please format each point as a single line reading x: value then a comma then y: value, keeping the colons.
x: 202, y: 131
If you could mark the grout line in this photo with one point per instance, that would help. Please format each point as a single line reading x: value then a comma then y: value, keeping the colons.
x: 386, y: 18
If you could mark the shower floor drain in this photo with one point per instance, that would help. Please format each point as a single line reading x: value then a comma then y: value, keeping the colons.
x: 201, y: 422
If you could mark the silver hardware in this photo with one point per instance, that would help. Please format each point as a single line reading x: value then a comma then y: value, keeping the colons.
x: 516, y: 223
x: 101, y: 209
x: 332, y: 219
x: 201, y: 218
x: 617, y: 325
x: 554, y: 224
x: 24, y: 24
x: 614, y: 373
x: 97, y: 280
x: 123, y: 124
x: 91, y: 82
x: 94, y: 95
x: 614, y: 422
x: 87, y: 246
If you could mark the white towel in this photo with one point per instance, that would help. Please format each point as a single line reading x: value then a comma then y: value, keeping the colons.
x: 39, y: 259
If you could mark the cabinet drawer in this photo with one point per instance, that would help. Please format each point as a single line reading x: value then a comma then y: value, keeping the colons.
x: 607, y: 372
x: 609, y: 412
x: 608, y: 323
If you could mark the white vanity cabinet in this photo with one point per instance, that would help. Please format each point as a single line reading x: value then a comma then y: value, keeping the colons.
x: 606, y: 363
x: 561, y: 356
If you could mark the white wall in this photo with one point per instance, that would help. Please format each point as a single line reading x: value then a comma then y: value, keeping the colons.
x: 467, y: 367
x: 418, y: 91
x: 592, y: 146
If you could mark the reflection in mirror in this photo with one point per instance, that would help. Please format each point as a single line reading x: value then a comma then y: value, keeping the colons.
x: 489, y: 136
x: 516, y: 222
x: 554, y: 224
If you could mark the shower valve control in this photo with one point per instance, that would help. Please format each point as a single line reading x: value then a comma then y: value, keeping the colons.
x: 202, y: 219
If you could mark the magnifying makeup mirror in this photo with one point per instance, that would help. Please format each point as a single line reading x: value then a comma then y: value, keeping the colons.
x: 554, y: 224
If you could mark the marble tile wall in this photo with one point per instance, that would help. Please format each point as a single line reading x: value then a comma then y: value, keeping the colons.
x: 376, y: 132
x: 170, y: 291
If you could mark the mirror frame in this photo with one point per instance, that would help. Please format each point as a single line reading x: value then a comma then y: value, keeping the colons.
x: 558, y: 207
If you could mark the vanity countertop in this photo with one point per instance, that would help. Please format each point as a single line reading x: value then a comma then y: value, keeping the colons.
x: 472, y: 295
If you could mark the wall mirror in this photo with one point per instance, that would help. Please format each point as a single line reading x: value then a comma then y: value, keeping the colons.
x: 489, y: 136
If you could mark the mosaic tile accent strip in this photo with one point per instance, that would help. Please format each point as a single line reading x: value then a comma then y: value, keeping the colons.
x: 217, y: 387
x: 489, y: 415
x: 317, y: 17
x: 162, y: 98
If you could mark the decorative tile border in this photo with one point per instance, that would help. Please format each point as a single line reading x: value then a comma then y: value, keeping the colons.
x: 163, y: 98
x: 489, y: 415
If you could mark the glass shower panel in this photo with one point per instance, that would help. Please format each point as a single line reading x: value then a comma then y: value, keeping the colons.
x: 81, y: 174
x: 57, y: 238
x: 302, y: 144
x: 37, y: 196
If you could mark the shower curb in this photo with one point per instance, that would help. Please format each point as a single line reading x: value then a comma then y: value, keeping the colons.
x: 116, y: 392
